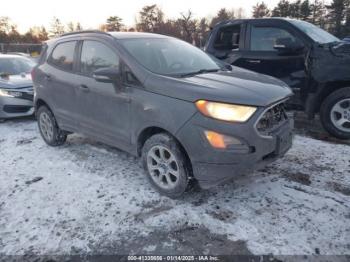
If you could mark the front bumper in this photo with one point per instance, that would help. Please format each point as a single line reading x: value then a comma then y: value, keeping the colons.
x: 213, y: 166
x: 11, y: 107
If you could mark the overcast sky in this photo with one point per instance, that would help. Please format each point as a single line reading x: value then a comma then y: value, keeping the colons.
x: 27, y: 13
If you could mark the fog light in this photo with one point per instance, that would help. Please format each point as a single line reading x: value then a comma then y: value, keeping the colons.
x: 221, y: 141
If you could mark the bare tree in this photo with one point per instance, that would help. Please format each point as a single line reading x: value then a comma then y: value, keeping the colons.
x: 188, y: 25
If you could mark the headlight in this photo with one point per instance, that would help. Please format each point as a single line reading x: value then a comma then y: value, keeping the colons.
x: 226, y: 112
x: 10, y: 93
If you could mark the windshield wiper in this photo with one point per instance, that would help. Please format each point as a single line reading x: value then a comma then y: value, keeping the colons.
x: 201, y: 71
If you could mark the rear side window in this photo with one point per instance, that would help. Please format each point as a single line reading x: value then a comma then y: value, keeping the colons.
x: 264, y: 38
x: 63, y: 55
x: 95, y: 55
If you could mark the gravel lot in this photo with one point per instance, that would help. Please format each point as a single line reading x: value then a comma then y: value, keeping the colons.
x: 85, y: 197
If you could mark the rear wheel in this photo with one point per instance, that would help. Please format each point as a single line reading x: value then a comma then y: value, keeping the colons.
x: 49, y: 129
x: 335, y: 113
x: 166, y: 165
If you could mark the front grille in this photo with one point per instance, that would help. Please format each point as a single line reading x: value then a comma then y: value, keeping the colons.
x: 16, y: 109
x: 272, y: 119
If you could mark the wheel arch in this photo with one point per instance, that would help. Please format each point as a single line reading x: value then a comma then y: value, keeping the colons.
x: 328, y: 89
x: 147, y: 132
x: 40, y: 102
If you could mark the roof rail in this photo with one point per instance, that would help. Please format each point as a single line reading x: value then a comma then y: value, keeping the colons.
x: 85, y: 31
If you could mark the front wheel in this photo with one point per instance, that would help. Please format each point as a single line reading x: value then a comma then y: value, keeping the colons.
x: 166, y: 165
x: 49, y: 129
x: 335, y: 113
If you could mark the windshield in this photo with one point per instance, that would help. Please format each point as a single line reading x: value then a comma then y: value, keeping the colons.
x: 168, y: 56
x: 317, y: 34
x: 15, y: 65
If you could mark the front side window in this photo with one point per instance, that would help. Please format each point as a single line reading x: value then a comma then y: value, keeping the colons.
x: 63, y: 55
x: 264, y: 38
x: 95, y: 55
x: 169, y: 56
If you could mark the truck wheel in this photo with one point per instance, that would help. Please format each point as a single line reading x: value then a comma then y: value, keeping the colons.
x: 335, y: 113
x: 165, y: 165
x: 49, y: 129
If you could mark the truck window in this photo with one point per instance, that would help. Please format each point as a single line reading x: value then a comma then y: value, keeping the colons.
x: 264, y: 38
x: 228, y: 38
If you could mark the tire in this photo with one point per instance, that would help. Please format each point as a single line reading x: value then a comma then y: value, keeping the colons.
x: 49, y: 130
x: 335, y: 109
x: 166, y: 165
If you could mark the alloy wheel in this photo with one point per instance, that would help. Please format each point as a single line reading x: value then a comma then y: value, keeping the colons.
x: 340, y: 115
x: 46, y: 126
x: 163, y: 167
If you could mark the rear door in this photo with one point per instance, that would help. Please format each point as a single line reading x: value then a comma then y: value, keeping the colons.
x: 104, y: 107
x: 58, y: 79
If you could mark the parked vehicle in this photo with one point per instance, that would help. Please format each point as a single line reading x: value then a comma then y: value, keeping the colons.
x: 16, y: 87
x: 33, y: 58
x: 347, y: 39
x: 164, y: 100
x: 314, y: 63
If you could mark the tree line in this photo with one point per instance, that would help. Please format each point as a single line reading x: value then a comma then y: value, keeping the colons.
x: 333, y: 17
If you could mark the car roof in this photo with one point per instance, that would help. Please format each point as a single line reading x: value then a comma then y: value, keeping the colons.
x: 117, y: 35
x: 129, y: 35
x: 234, y: 21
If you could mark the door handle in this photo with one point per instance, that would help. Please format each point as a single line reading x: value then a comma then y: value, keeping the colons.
x: 84, y: 88
x: 254, y: 61
x: 48, y: 77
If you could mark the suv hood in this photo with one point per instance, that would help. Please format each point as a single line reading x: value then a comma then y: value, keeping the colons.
x: 238, y: 86
x: 16, y: 81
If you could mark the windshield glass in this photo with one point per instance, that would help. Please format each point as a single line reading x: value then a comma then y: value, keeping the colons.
x: 169, y: 56
x: 15, y: 65
x: 317, y: 34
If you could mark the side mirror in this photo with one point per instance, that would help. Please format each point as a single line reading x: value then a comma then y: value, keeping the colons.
x: 288, y: 46
x: 107, y: 75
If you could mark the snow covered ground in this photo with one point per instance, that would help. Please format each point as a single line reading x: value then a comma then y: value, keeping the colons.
x: 85, y: 197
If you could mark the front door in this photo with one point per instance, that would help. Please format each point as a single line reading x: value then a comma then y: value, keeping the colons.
x: 105, y: 107
x: 262, y: 57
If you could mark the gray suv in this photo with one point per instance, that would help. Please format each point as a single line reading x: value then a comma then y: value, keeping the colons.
x: 190, y: 117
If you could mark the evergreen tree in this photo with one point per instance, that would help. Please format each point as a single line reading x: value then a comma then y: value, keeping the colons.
x: 294, y: 9
x: 78, y: 27
x: 305, y: 10
x: 260, y: 10
x: 222, y: 15
x: 150, y: 19
x: 114, y: 23
x: 318, y: 13
x: 336, y: 16
x: 282, y: 9
x: 57, y: 28
x: 70, y: 27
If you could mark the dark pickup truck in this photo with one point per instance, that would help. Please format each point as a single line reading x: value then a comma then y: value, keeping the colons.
x: 314, y: 63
